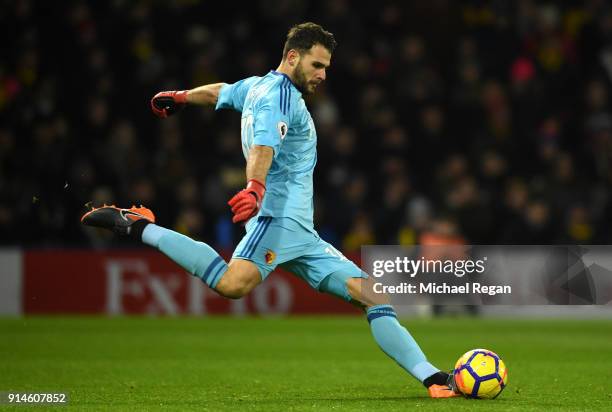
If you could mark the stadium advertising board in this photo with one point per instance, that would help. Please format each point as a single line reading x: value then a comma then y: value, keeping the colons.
x: 139, y: 282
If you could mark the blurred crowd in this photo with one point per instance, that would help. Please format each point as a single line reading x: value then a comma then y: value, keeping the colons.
x: 484, y: 122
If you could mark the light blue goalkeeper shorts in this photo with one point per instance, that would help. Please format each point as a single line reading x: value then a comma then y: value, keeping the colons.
x: 281, y: 241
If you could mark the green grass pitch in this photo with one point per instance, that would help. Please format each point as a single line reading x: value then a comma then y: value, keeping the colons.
x: 294, y: 364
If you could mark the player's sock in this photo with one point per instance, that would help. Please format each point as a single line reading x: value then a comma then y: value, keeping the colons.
x: 396, y: 342
x: 197, y: 258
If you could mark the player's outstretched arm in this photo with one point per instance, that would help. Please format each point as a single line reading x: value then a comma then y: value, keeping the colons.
x: 205, y: 95
x: 164, y: 104
x: 246, y: 203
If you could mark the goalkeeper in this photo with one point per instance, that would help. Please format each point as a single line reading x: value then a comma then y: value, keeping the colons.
x: 276, y: 206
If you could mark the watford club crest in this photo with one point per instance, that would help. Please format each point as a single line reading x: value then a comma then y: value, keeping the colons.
x: 270, y: 256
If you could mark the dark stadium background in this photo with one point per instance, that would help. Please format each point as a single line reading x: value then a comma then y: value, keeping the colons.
x: 487, y: 121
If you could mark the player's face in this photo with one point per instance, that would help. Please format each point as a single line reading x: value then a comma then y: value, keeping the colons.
x: 310, y: 71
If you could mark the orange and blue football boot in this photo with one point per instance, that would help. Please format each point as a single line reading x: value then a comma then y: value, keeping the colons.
x: 447, y: 390
x: 116, y: 219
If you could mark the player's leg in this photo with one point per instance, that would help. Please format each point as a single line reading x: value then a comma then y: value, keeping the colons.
x: 352, y: 285
x: 233, y: 281
x: 240, y: 278
x: 391, y: 336
x: 327, y: 270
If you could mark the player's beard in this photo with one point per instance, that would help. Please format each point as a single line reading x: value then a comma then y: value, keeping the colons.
x: 300, y: 80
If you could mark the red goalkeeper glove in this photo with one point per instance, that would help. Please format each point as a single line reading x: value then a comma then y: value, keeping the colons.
x: 165, y: 104
x: 247, y: 202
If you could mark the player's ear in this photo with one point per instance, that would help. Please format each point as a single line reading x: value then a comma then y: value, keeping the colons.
x: 293, y: 57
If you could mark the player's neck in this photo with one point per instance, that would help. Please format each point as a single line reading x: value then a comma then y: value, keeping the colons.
x: 286, y: 70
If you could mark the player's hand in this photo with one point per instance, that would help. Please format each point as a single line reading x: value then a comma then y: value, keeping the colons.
x: 246, y: 203
x: 165, y: 104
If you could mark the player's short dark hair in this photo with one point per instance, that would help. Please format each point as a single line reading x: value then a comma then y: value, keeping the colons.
x: 302, y: 37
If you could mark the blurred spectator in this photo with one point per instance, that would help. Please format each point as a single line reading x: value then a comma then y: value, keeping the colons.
x: 359, y: 234
x: 578, y: 228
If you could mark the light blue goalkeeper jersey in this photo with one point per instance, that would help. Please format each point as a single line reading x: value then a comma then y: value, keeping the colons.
x: 274, y: 114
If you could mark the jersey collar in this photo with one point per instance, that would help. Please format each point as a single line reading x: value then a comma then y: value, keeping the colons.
x: 274, y: 72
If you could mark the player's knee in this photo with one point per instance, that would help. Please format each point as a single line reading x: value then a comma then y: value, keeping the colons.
x: 362, y: 292
x: 237, y: 282
x: 354, y: 287
x: 233, y: 288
